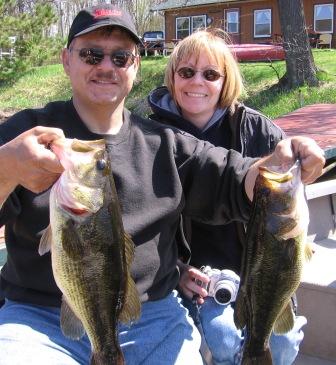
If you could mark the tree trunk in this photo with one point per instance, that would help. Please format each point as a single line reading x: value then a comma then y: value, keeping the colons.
x: 300, y: 66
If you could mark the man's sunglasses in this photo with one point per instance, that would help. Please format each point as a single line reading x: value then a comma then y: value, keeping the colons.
x: 94, y: 56
x: 209, y: 74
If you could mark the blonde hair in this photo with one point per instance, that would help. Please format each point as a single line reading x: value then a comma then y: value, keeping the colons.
x: 213, y: 43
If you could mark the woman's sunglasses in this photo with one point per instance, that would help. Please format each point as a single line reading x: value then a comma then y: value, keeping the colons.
x: 209, y: 74
x: 94, y: 56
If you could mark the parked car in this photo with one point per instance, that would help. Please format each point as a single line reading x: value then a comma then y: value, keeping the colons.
x: 152, y: 41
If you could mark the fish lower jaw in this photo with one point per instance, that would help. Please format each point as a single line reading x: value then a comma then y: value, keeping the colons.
x: 76, y: 212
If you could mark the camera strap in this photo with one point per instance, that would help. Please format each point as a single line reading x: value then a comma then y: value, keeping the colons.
x: 204, y: 349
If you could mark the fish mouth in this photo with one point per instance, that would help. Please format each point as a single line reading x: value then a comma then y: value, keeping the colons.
x: 82, y: 212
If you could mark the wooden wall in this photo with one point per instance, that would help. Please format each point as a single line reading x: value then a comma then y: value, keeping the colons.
x: 246, y: 10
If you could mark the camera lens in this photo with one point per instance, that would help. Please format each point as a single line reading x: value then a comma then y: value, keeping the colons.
x: 223, y: 296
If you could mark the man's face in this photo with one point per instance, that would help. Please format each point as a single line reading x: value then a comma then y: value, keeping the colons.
x: 103, y: 84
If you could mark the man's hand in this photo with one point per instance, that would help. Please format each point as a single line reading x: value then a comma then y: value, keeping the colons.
x: 188, y: 282
x: 286, y: 152
x: 26, y: 160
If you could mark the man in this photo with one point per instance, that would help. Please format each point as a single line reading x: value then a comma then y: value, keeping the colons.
x: 158, y: 172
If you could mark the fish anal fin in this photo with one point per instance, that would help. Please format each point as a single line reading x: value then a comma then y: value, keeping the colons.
x: 285, y: 320
x: 45, y: 242
x: 240, y: 311
x: 71, y: 326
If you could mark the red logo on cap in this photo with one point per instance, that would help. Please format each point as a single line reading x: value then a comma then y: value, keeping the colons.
x: 98, y: 13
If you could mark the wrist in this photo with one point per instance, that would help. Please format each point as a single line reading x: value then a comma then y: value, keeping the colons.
x: 7, y: 180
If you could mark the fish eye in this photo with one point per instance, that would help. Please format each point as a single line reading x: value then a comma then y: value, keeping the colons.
x: 101, y: 164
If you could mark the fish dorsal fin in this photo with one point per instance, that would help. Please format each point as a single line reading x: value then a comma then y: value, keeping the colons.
x: 45, y: 242
x: 285, y: 320
x: 132, y: 307
x: 71, y: 326
x: 129, y: 249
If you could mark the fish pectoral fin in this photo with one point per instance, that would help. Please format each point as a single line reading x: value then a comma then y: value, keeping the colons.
x: 285, y: 321
x: 309, y: 251
x: 240, y: 312
x: 71, y: 325
x: 131, y: 309
x: 45, y: 241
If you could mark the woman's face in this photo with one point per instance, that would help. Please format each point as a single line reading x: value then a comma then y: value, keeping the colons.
x: 196, y: 96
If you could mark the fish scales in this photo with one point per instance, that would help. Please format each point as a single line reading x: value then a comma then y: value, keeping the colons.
x: 91, y: 253
x: 274, y: 255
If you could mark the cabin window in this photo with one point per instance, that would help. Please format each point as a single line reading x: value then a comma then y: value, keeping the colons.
x: 323, y: 18
x: 262, y: 23
x: 198, y: 22
x: 232, y: 21
x: 182, y: 27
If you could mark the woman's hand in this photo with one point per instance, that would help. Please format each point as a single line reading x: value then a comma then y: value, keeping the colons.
x: 191, y: 282
x: 305, y: 149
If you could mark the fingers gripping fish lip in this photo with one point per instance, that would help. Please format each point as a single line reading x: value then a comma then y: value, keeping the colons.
x: 67, y: 149
x: 277, y: 177
x: 79, y: 189
x: 287, y: 198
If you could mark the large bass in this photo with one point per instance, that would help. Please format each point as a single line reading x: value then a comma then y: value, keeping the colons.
x: 274, y: 255
x: 90, y: 251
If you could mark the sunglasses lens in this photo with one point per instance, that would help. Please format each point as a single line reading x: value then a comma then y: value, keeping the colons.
x: 122, y: 58
x: 186, y: 72
x: 211, y: 75
x: 91, y: 56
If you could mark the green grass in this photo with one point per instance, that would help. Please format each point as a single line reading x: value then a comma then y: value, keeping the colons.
x: 36, y: 88
x: 49, y: 83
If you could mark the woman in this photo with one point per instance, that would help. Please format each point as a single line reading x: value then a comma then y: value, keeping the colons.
x: 201, y: 97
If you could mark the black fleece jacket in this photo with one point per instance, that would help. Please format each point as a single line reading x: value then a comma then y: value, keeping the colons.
x: 159, y: 171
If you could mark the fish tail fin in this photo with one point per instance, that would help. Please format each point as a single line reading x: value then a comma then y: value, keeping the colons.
x: 101, y: 358
x: 264, y: 358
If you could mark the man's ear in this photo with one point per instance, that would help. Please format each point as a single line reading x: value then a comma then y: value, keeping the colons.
x: 137, y: 66
x: 137, y: 62
x: 65, y: 55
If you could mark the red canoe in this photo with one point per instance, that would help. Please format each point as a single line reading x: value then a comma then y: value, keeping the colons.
x: 258, y: 52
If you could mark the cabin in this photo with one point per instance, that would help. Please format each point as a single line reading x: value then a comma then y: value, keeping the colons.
x: 247, y: 21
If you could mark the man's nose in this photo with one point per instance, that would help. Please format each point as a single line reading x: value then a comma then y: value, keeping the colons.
x: 107, y: 62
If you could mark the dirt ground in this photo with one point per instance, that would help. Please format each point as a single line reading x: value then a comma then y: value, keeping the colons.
x: 5, y: 115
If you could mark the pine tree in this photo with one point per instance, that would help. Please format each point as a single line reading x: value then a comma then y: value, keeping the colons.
x: 22, y: 30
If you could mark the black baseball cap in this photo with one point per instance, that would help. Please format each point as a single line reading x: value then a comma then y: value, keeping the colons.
x: 99, y: 16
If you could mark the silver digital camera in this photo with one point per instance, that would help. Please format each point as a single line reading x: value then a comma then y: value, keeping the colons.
x: 223, y: 285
